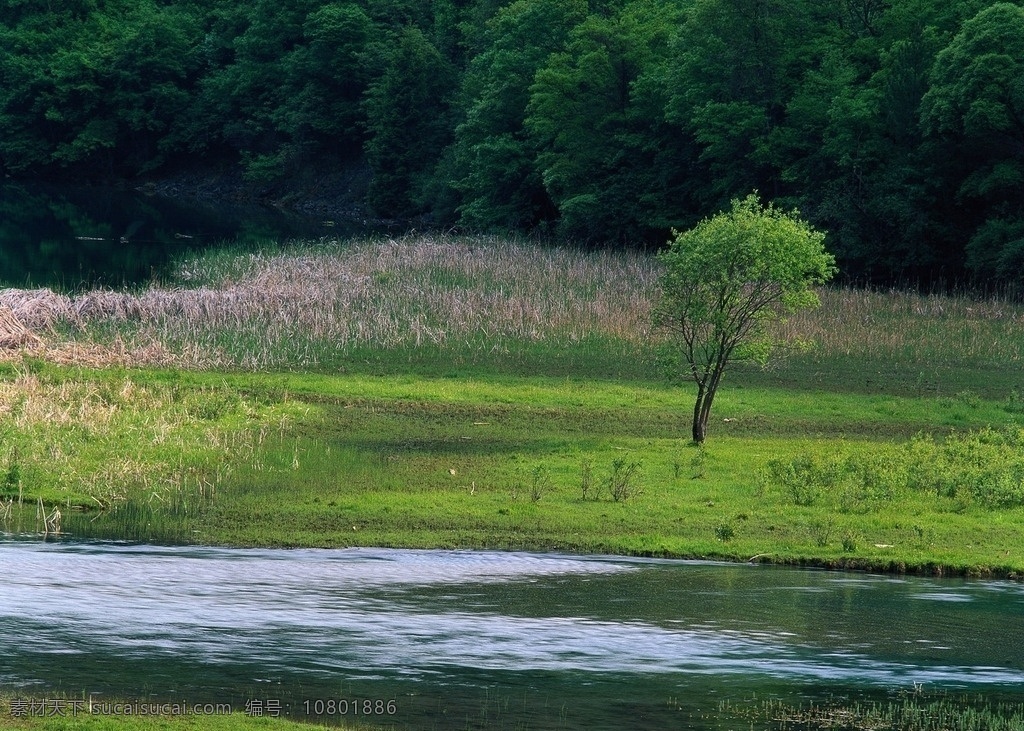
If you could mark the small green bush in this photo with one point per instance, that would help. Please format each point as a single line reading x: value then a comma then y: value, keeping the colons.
x: 622, y: 480
x: 724, y: 532
x: 540, y: 483
x: 983, y: 467
x: 806, y: 478
x: 1014, y: 403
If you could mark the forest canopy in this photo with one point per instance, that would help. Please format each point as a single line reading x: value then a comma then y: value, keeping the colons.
x: 898, y: 127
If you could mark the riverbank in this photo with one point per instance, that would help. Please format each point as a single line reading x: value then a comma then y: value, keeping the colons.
x: 469, y: 394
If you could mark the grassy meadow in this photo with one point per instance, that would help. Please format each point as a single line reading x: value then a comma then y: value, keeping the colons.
x: 476, y: 392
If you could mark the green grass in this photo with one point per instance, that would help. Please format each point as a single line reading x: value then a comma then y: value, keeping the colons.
x: 52, y: 714
x: 916, y: 711
x: 499, y: 462
x: 474, y: 393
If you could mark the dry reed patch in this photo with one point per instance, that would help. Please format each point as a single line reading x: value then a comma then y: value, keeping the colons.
x: 435, y: 290
x: 37, y: 309
x: 287, y: 308
x: 97, y: 355
x: 13, y: 333
x: 931, y: 329
x: 302, y: 306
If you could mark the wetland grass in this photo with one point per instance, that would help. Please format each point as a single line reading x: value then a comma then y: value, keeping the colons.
x: 480, y: 303
x: 318, y: 306
x: 916, y: 711
x: 83, y: 450
x: 442, y: 391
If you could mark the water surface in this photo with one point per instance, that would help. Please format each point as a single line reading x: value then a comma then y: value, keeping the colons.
x: 488, y: 640
x: 72, y: 238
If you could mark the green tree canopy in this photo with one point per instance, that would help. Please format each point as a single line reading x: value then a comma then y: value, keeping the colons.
x: 591, y: 128
x: 407, y: 117
x: 726, y: 281
x: 975, y: 108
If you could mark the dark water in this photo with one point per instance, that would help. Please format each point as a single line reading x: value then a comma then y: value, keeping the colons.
x: 71, y: 238
x: 455, y: 640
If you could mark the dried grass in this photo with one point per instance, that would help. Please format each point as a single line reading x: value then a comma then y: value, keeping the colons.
x: 410, y: 292
x: 13, y: 333
x: 911, y: 327
x: 38, y: 309
x: 297, y: 308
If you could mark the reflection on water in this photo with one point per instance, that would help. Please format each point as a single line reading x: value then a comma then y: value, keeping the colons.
x: 76, y: 237
x: 488, y: 640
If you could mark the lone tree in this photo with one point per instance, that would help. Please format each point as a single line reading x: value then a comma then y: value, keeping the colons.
x: 726, y: 281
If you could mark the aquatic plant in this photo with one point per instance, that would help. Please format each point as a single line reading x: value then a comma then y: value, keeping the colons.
x: 907, y: 711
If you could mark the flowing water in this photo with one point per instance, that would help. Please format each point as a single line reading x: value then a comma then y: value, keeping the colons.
x: 456, y: 640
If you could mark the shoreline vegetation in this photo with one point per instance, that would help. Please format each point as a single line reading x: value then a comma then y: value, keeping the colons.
x: 471, y: 392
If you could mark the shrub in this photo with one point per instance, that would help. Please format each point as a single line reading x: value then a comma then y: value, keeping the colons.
x: 984, y: 466
x: 540, y: 483
x: 805, y: 477
x: 622, y: 479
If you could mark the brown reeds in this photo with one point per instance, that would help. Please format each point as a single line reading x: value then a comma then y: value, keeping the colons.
x: 913, y: 328
x: 303, y: 306
x: 13, y: 333
x: 292, y: 307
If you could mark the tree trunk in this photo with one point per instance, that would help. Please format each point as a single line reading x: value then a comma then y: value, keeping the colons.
x: 702, y: 411
x: 700, y: 420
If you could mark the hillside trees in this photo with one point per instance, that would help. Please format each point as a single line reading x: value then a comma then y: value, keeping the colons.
x: 894, y: 126
x: 284, y: 83
x: 493, y: 156
x: 735, y: 70
x: 593, y: 132
x: 89, y: 90
x: 407, y: 118
x: 975, y: 108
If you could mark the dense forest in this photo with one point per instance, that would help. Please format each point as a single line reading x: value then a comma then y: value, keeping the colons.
x: 895, y: 125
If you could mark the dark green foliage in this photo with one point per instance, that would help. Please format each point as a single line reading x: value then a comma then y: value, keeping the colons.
x: 495, y: 159
x: 407, y: 117
x: 975, y: 108
x: 591, y: 126
x: 95, y: 89
x: 894, y: 126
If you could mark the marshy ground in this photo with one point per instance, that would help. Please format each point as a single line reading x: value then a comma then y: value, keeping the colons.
x: 472, y: 392
x: 476, y: 392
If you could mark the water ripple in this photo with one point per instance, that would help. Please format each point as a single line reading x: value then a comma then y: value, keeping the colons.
x: 431, y: 614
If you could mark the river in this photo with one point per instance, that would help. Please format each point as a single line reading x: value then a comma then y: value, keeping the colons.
x: 487, y: 640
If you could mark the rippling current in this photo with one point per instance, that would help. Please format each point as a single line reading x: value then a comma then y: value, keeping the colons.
x: 455, y: 640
